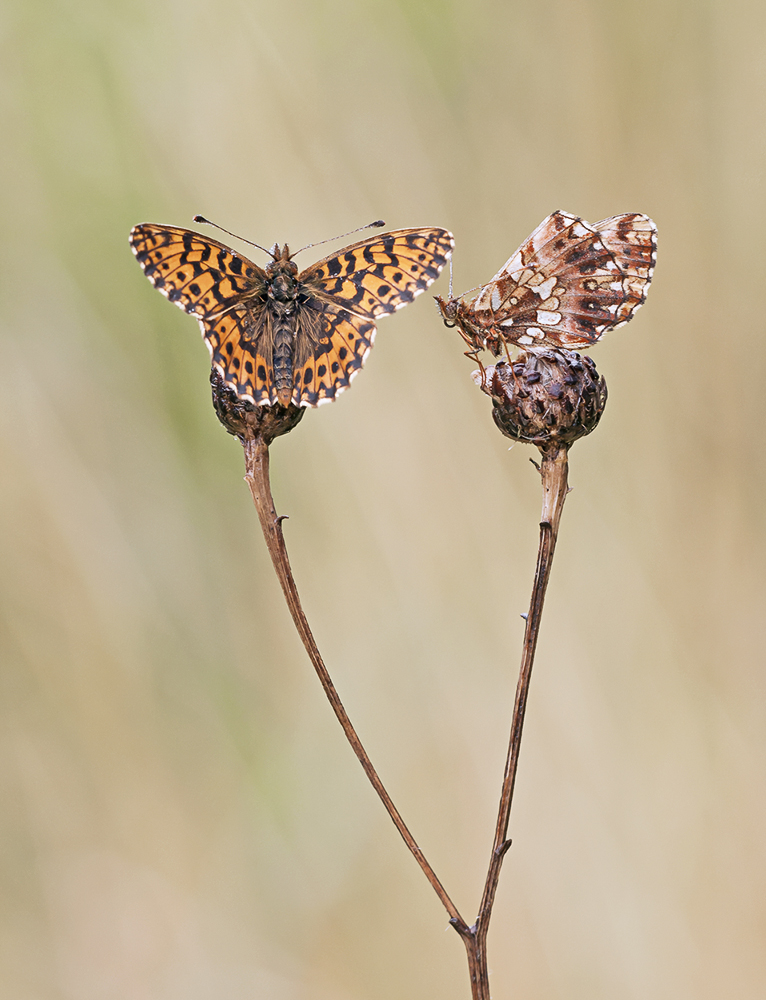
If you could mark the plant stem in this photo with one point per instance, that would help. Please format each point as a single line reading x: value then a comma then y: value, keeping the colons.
x: 553, y: 472
x: 257, y: 478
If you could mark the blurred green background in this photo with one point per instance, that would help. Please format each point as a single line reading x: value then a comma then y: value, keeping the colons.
x: 181, y: 819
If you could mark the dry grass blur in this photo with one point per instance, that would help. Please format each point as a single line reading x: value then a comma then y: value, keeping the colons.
x: 181, y: 819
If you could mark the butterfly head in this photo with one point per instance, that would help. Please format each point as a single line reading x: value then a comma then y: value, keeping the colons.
x: 448, y: 309
x: 456, y: 314
x: 281, y: 262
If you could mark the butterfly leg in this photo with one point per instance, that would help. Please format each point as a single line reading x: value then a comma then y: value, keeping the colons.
x: 474, y: 356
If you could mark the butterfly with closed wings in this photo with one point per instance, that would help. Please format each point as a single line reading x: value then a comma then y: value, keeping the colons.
x: 567, y: 285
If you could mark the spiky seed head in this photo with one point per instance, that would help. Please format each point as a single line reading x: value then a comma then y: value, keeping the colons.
x: 244, y: 419
x: 545, y: 397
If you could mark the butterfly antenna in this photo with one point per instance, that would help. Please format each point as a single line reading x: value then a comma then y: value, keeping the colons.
x: 462, y: 294
x: 207, y: 222
x: 370, y: 225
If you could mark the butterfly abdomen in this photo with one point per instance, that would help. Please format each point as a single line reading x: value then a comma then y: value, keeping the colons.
x: 283, y: 305
x: 284, y: 361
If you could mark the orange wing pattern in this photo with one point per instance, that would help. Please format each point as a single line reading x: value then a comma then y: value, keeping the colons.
x: 211, y: 282
x: 347, y: 340
x: 199, y: 274
x: 382, y: 274
x: 566, y: 286
x: 277, y: 336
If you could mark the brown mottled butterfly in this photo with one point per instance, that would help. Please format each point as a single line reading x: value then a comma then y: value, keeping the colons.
x: 566, y: 286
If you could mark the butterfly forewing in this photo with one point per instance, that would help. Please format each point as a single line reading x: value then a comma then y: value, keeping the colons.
x: 199, y: 274
x: 546, y: 243
x: 566, y: 285
x: 382, y: 274
x: 326, y: 316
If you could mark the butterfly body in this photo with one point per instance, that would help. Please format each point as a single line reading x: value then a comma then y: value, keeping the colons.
x: 566, y: 286
x: 280, y: 310
x: 280, y: 336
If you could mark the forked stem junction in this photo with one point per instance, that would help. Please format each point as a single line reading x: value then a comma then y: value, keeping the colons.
x: 553, y: 472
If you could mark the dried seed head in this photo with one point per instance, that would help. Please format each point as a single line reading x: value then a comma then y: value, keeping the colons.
x: 246, y: 420
x: 546, y: 397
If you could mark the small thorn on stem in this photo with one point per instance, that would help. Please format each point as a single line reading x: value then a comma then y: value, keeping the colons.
x: 500, y: 851
x: 282, y: 517
x: 524, y: 615
x: 462, y: 928
x: 539, y: 469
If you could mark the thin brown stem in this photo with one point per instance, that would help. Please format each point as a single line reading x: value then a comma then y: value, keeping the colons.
x: 553, y: 472
x: 257, y: 478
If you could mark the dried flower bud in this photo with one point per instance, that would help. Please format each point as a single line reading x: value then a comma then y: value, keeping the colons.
x: 546, y: 397
x: 246, y: 420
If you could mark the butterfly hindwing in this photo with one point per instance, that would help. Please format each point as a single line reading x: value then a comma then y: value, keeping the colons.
x: 633, y: 240
x: 343, y: 350
x: 238, y: 358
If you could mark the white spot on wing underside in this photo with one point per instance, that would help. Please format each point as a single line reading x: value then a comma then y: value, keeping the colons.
x: 545, y: 288
x: 547, y: 318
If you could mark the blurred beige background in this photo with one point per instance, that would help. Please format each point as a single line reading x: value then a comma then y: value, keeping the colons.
x: 181, y: 819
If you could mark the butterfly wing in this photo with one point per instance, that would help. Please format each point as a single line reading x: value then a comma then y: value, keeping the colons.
x: 568, y: 283
x: 381, y: 274
x: 244, y: 359
x: 223, y: 291
x: 350, y: 290
x: 345, y: 341
x: 632, y: 239
x: 199, y: 274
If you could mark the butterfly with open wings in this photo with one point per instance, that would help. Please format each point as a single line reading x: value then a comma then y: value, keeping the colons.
x: 278, y: 336
x: 567, y: 285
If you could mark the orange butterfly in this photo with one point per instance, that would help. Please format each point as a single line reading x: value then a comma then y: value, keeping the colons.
x: 279, y: 336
